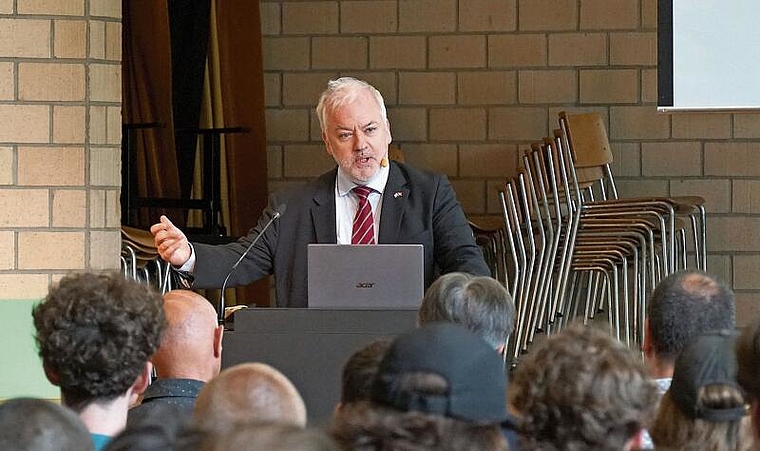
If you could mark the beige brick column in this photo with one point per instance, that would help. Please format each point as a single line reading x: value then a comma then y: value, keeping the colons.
x: 60, y: 134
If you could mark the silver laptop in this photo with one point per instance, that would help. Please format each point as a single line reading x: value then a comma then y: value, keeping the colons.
x: 380, y: 276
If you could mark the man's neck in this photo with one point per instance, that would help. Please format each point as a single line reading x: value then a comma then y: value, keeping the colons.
x: 106, y: 417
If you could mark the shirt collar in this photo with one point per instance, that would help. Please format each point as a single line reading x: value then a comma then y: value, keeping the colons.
x: 344, y: 183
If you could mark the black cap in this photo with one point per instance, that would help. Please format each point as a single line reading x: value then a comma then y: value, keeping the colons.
x: 708, y: 360
x: 473, y: 370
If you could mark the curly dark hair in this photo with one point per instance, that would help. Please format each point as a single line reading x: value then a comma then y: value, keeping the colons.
x: 685, y: 305
x: 95, y: 332
x: 581, y: 390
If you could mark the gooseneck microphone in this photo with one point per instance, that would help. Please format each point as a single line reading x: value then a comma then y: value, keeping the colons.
x: 277, y: 213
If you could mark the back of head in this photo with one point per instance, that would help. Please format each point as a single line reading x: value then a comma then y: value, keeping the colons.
x: 270, y: 437
x: 38, y: 425
x: 480, y: 304
x: 95, y: 332
x: 684, y: 305
x: 191, y: 345
x: 438, y: 387
x: 581, y: 390
x: 704, y: 407
x: 360, y: 370
x: 249, y: 392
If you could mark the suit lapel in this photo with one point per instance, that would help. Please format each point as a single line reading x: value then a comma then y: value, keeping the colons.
x: 323, y: 210
x: 394, y: 205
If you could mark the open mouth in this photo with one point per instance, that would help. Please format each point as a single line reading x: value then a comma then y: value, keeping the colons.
x: 363, y: 160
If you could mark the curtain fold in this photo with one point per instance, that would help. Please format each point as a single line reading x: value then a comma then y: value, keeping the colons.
x: 147, y: 98
x: 238, y: 30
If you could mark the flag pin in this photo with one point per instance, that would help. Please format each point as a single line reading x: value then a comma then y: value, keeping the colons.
x: 398, y: 194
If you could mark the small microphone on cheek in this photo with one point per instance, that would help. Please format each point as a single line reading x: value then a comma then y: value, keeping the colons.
x: 384, y: 162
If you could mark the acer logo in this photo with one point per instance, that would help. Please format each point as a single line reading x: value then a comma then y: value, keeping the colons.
x: 365, y: 284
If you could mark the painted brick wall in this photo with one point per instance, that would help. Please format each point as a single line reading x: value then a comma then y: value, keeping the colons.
x: 469, y: 82
x: 60, y: 96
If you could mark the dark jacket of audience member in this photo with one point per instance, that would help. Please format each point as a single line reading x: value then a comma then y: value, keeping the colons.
x: 704, y: 407
x: 581, y: 390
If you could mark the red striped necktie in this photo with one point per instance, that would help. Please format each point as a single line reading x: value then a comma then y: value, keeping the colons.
x: 364, y: 223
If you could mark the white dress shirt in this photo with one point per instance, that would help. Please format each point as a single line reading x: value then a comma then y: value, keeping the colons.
x: 346, y: 203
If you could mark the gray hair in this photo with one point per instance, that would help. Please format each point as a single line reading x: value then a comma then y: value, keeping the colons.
x: 481, y: 304
x: 342, y: 90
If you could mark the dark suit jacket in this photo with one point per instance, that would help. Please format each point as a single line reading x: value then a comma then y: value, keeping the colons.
x: 419, y: 207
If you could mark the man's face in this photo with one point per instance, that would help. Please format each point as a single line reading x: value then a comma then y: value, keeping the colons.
x: 357, y: 137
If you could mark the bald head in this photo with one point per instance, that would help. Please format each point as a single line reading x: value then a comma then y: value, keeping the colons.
x: 248, y: 392
x: 191, y: 348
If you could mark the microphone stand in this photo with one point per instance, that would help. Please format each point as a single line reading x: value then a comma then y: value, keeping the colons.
x: 242, y: 256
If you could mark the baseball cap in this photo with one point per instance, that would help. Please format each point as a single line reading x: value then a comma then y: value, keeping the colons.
x: 708, y: 360
x: 472, y: 369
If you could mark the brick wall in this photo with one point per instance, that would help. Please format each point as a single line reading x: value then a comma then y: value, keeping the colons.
x: 468, y: 82
x: 60, y: 131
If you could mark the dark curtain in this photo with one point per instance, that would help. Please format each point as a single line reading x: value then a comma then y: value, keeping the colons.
x: 161, y: 84
x: 189, y: 28
x: 147, y: 98
x: 242, y: 84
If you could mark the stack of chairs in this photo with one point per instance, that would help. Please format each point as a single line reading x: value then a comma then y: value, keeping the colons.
x: 140, y: 260
x: 576, y: 249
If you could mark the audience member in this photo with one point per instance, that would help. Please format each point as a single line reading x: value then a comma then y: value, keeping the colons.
x: 360, y: 370
x: 254, y: 436
x: 437, y: 388
x: 95, y: 334
x: 704, y: 407
x: 189, y: 356
x: 582, y: 390
x: 479, y: 303
x: 483, y: 306
x: 38, y: 425
x: 248, y: 392
x: 748, y: 374
x: 683, y: 306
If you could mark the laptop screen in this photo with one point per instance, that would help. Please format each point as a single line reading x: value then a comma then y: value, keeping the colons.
x: 381, y: 276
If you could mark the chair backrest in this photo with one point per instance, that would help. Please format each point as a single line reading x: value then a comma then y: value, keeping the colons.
x: 586, y: 141
x: 587, y: 137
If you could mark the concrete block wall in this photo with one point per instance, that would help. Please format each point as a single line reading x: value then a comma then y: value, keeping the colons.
x: 60, y: 131
x: 468, y: 83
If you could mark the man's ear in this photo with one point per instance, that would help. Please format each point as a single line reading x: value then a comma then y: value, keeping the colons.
x: 636, y: 441
x: 143, y: 379
x: 388, y: 126
x: 51, y: 375
x: 647, y: 347
x: 218, y: 336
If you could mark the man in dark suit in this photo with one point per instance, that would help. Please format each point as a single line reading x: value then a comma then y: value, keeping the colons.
x: 407, y: 206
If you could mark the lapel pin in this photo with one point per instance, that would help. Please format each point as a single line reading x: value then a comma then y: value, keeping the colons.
x: 398, y: 194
